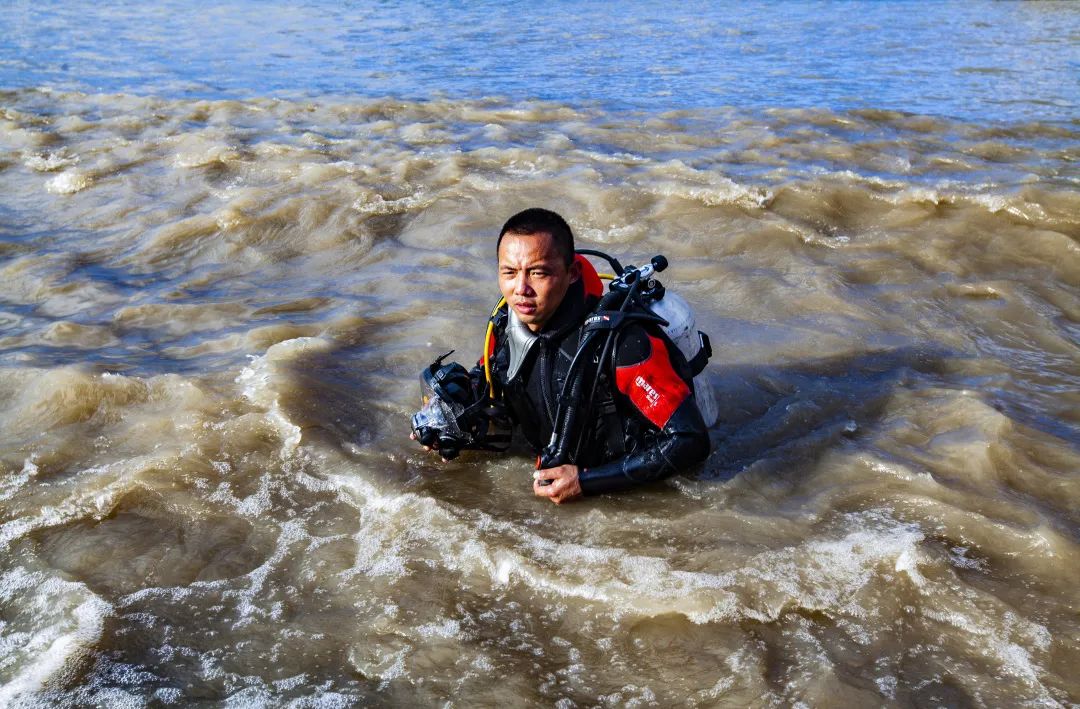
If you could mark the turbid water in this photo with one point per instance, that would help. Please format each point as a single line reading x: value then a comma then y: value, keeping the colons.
x: 214, y: 309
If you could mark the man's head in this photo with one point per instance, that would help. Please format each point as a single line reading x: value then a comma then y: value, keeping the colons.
x: 536, y: 264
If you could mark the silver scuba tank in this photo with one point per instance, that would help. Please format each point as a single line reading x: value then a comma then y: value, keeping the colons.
x: 682, y: 330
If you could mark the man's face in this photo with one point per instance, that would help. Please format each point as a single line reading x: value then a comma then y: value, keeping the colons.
x: 533, y: 277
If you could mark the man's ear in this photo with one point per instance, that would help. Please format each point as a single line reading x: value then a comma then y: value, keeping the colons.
x: 575, y: 271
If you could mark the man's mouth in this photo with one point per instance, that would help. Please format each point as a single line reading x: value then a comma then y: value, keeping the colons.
x: 525, y: 308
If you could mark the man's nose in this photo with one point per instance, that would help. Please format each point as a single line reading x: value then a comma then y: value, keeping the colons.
x: 522, y: 287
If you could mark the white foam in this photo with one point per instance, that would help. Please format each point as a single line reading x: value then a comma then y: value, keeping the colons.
x: 53, y: 622
x: 69, y: 182
x: 375, y: 557
x: 377, y: 205
x: 824, y: 572
x: 250, y: 698
x: 448, y: 628
x: 721, y: 192
x: 13, y: 483
x: 958, y: 557
x: 375, y: 660
x: 284, y: 685
x: 257, y: 380
x: 323, y: 700
x: 49, y: 162
x: 907, y: 563
x: 196, y: 150
x: 998, y: 642
x: 249, y: 612
x: 254, y: 505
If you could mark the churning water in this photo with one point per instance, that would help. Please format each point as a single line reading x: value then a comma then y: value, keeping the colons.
x: 231, y: 235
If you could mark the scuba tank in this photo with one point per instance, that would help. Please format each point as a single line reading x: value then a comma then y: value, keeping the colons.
x: 680, y: 327
x: 682, y: 330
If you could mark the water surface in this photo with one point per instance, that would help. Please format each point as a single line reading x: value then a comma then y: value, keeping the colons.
x: 984, y: 61
x: 217, y: 288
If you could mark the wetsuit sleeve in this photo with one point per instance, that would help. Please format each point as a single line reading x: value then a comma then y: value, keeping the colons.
x: 647, y: 379
x: 478, y: 379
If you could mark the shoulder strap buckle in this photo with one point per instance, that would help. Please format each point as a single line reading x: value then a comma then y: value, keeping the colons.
x: 697, y: 364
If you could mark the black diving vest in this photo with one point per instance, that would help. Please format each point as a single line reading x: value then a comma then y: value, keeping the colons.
x: 532, y: 395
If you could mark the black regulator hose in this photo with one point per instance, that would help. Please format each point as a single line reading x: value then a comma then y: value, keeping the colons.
x: 612, y: 261
x: 605, y: 353
x: 567, y: 432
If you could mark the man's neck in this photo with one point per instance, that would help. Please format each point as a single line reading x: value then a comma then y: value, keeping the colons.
x: 569, y: 314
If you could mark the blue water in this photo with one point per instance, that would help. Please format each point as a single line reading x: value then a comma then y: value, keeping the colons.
x: 982, y: 61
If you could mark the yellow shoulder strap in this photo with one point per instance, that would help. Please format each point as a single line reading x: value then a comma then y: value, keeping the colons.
x: 489, y: 345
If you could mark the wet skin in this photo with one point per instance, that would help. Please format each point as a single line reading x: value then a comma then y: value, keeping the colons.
x: 533, y: 277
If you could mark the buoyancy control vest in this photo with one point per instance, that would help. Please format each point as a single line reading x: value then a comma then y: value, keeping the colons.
x: 541, y: 376
x: 562, y: 385
x: 528, y: 373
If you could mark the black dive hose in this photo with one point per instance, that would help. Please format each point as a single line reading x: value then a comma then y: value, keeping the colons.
x: 605, y: 352
x: 623, y: 293
x: 556, y: 453
x: 614, y: 262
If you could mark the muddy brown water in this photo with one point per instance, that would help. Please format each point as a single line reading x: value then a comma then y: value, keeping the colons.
x: 212, y: 317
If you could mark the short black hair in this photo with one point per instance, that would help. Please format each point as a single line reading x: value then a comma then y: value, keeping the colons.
x: 541, y: 221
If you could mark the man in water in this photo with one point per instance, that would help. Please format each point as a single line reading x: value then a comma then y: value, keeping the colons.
x: 645, y: 425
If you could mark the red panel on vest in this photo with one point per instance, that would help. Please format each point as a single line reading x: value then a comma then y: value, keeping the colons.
x: 589, y: 278
x: 653, y: 385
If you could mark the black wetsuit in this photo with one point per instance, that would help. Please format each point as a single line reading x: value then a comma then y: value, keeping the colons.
x: 645, y: 423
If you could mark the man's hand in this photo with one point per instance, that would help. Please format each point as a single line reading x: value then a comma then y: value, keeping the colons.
x: 434, y: 447
x: 564, y: 486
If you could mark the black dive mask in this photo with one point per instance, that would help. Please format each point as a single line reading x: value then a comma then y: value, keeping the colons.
x: 455, y: 416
